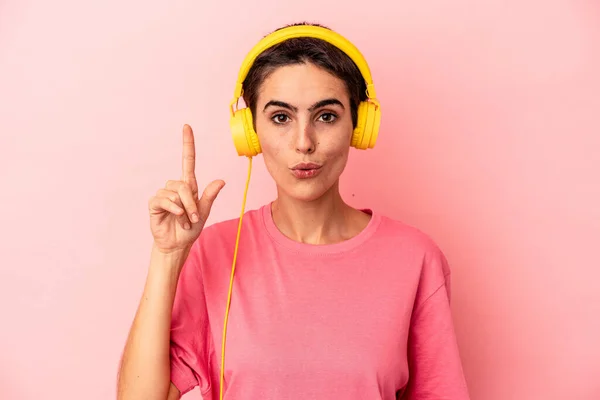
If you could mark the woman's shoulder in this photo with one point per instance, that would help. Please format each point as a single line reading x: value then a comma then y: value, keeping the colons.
x: 400, y: 231
x: 251, y: 220
x: 415, y: 244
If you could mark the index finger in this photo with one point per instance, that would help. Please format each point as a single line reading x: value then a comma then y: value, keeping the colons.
x: 189, y: 156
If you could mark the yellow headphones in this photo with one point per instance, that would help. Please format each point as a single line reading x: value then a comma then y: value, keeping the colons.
x: 369, y: 111
x: 247, y: 143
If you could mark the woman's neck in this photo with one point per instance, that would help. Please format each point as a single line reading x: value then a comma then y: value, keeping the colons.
x: 326, y: 220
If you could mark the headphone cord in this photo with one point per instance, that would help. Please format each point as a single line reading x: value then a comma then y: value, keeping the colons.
x: 237, y: 242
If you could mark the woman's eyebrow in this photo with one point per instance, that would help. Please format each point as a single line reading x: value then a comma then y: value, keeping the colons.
x: 318, y: 104
x: 277, y: 103
x: 326, y: 102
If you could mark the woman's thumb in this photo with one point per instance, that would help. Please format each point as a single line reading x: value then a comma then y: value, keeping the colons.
x: 209, y: 195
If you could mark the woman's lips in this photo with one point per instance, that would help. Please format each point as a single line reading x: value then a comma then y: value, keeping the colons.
x: 306, y: 170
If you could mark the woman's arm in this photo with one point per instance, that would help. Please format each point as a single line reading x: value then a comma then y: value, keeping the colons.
x: 145, y: 367
x: 177, y: 217
x: 434, y: 361
x: 174, y: 393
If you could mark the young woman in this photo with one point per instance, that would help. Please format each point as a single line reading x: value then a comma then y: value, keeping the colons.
x: 329, y: 302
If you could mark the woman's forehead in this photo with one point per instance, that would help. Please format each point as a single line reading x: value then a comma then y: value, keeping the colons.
x: 302, y: 83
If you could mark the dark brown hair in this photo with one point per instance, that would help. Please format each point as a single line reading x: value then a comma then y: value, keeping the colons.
x: 306, y: 50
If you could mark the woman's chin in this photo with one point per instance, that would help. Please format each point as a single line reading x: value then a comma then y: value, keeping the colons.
x: 305, y: 191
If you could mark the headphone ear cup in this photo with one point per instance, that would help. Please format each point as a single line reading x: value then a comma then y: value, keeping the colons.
x: 245, y: 138
x: 367, y: 125
x: 372, y: 124
x: 357, y: 135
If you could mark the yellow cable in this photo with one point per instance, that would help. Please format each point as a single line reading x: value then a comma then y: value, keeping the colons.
x: 237, y: 242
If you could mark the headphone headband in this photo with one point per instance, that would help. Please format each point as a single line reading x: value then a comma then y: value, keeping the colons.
x: 311, y: 31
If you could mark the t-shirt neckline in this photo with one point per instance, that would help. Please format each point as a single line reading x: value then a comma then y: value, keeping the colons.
x: 317, y: 249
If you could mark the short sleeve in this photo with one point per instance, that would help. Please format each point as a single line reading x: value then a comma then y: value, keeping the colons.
x: 190, y: 344
x: 435, y: 369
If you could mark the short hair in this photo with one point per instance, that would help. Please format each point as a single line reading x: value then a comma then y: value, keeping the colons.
x: 303, y: 50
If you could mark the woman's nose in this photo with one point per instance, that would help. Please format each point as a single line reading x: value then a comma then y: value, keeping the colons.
x: 305, y: 140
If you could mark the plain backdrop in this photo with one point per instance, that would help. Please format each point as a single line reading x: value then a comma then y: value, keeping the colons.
x: 490, y: 143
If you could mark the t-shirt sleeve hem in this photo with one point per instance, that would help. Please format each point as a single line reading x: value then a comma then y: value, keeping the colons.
x: 181, y: 380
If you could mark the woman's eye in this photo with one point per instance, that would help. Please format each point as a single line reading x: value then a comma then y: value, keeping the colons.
x: 280, y: 118
x: 327, y: 117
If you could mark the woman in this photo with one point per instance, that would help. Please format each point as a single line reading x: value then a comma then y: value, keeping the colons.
x: 329, y: 302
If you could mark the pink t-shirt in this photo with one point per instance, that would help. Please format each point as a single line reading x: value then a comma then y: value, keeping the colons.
x: 367, y: 318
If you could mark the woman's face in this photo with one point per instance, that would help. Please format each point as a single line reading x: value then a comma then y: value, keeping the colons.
x: 304, y: 124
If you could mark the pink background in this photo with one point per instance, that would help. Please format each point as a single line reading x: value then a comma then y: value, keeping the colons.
x: 490, y: 142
